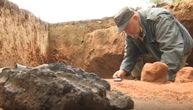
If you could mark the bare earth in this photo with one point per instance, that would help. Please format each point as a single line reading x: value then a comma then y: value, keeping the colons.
x: 152, y: 96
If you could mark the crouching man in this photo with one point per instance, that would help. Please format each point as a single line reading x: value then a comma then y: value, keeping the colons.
x: 152, y: 35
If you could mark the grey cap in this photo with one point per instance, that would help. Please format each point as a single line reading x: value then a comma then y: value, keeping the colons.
x: 123, y: 17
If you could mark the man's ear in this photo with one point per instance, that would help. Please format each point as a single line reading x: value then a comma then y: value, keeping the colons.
x: 135, y: 17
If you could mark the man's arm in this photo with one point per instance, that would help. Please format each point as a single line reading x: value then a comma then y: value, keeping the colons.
x: 130, y: 56
x: 171, y: 43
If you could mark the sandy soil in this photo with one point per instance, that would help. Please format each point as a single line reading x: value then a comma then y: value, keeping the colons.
x: 152, y: 96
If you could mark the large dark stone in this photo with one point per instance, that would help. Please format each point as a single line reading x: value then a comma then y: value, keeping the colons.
x: 57, y: 87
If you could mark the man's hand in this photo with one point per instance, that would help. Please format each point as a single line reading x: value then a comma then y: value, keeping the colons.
x: 119, y: 74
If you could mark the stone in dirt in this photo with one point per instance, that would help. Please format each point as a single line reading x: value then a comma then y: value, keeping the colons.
x: 184, y: 75
x: 154, y: 72
x: 58, y: 86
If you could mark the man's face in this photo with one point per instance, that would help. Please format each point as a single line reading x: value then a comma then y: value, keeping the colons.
x: 133, y: 27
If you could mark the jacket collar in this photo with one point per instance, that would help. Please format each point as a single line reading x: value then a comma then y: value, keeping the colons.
x: 143, y: 25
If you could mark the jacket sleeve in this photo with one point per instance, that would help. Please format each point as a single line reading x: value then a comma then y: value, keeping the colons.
x: 130, y: 56
x: 170, y: 42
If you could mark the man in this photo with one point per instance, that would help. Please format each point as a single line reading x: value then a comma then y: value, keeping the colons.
x: 152, y: 35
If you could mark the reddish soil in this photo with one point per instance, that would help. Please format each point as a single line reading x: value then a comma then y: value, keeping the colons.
x: 154, y: 96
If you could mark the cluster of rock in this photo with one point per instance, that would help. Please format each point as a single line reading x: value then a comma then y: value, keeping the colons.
x: 57, y: 86
x: 157, y: 72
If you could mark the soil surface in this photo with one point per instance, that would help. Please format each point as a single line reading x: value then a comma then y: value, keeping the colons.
x: 154, y: 96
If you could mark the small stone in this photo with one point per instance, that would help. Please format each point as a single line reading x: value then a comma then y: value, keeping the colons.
x: 154, y: 72
x: 184, y: 75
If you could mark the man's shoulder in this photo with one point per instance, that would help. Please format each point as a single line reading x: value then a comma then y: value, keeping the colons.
x: 153, y: 13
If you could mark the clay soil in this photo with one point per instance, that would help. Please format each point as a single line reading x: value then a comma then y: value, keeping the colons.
x: 154, y: 96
